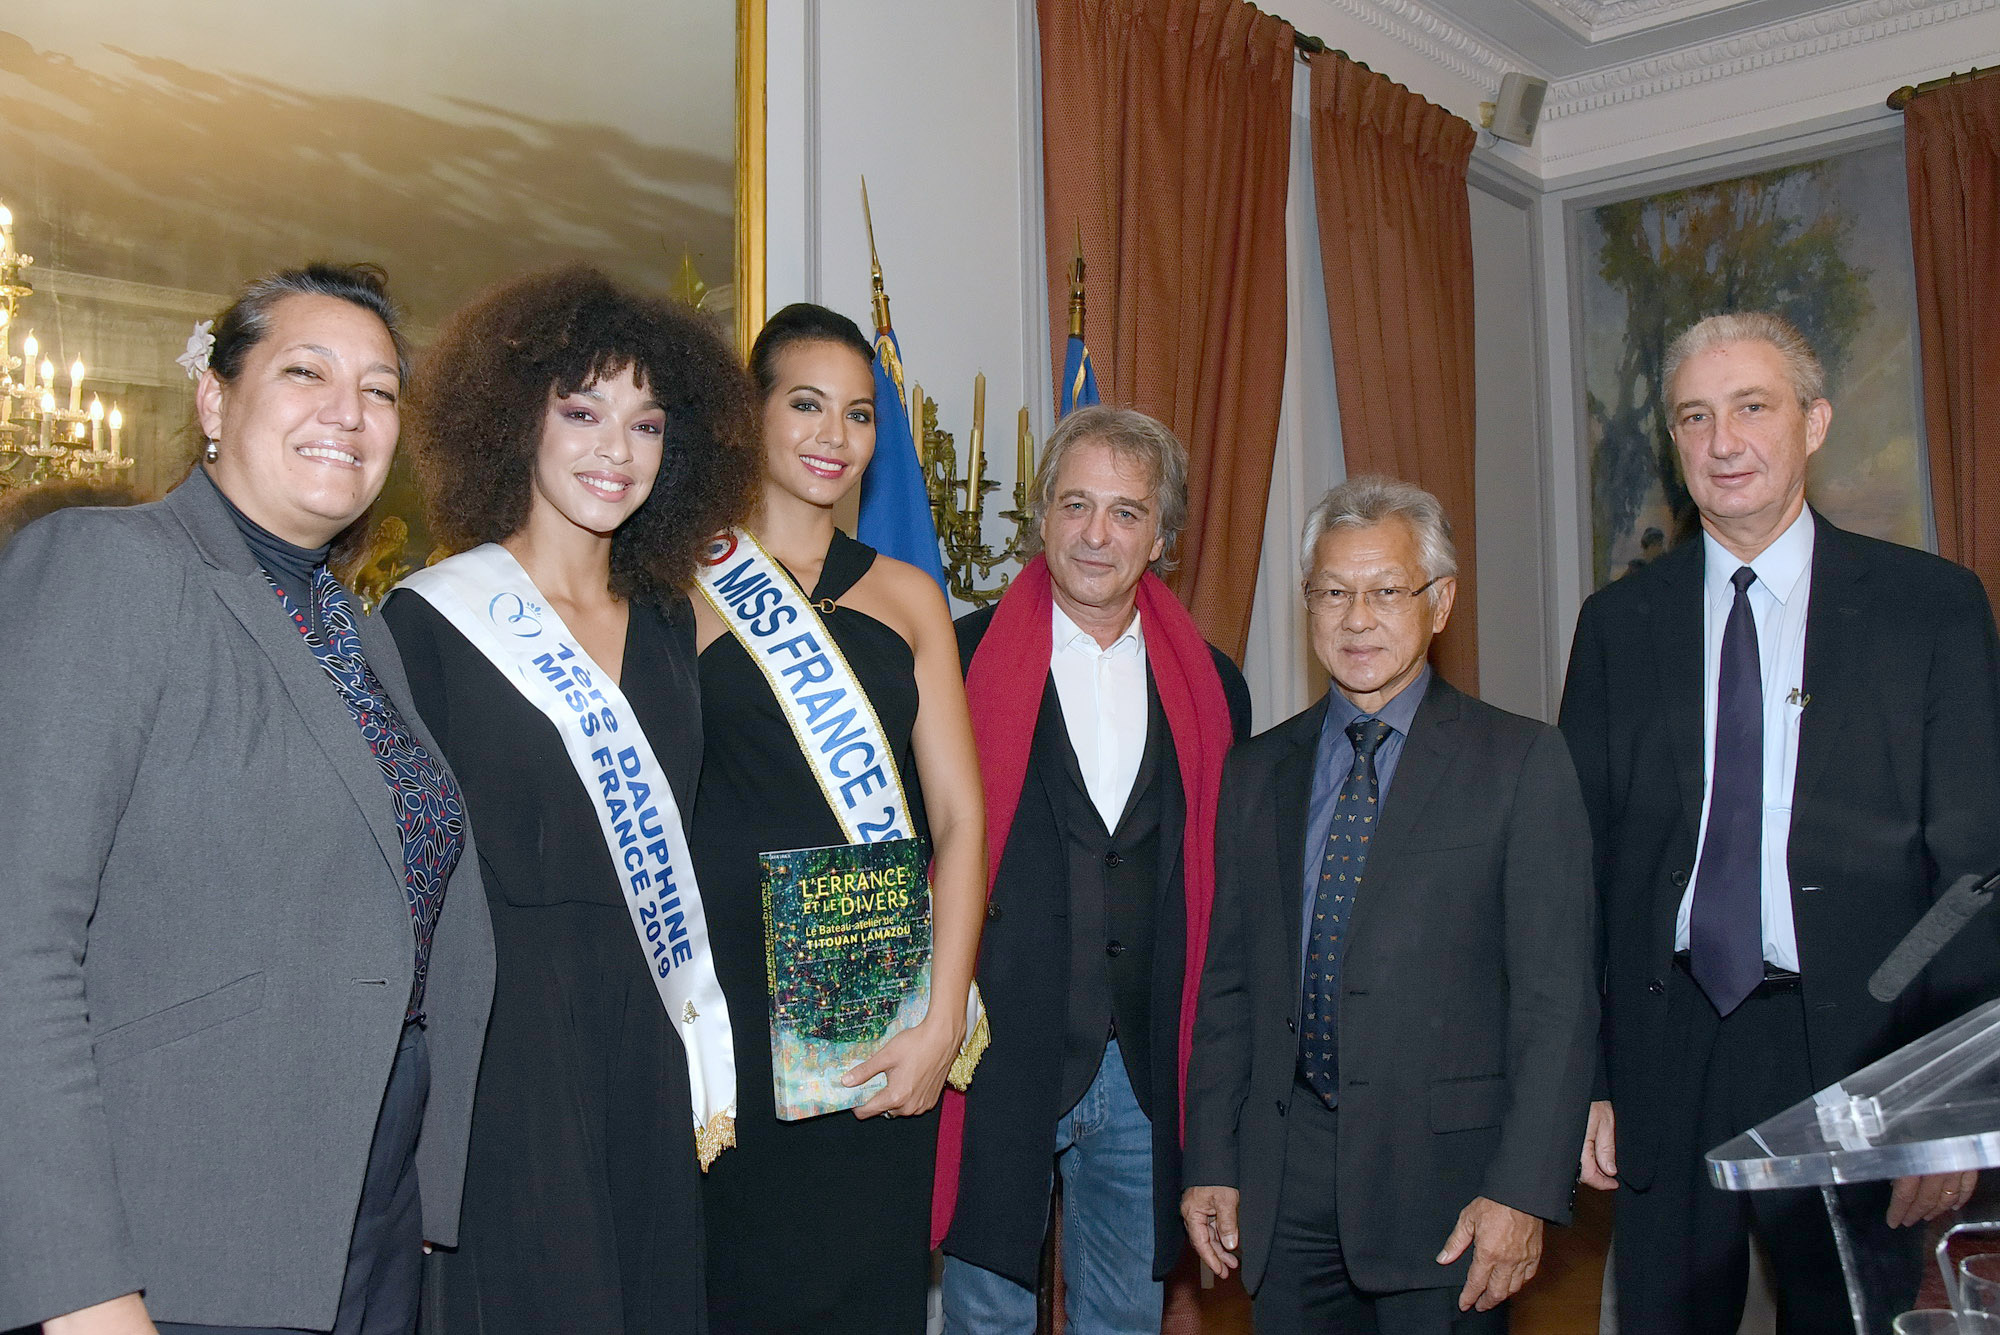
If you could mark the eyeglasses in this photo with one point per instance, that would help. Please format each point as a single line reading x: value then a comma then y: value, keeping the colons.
x: 1386, y: 602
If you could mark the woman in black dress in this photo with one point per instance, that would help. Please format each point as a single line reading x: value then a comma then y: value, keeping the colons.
x: 822, y: 1225
x: 597, y: 437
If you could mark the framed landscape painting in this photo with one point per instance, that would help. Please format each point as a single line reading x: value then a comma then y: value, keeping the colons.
x: 153, y: 158
x: 1826, y: 244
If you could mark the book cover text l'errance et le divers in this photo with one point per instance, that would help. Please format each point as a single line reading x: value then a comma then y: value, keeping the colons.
x: 847, y: 939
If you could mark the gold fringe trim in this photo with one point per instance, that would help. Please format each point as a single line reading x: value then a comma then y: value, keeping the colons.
x: 969, y: 1053
x: 713, y: 1139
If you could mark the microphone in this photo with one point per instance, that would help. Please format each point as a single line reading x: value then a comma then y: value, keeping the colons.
x: 1968, y: 895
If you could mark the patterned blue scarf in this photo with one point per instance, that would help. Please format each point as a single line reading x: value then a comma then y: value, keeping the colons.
x: 429, y: 807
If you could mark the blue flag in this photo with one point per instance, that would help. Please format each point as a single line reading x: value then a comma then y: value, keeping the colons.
x: 895, y: 508
x: 1079, y: 384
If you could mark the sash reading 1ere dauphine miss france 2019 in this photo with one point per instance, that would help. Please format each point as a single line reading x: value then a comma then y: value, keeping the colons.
x: 493, y: 603
x: 848, y: 927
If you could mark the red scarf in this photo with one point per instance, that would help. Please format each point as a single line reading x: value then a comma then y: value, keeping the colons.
x: 1004, y: 688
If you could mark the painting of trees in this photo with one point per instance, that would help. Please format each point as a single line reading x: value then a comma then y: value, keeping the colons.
x: 1775, y: 241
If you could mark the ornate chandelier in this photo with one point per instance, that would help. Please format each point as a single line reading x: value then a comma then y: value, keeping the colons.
x: 46, y: 435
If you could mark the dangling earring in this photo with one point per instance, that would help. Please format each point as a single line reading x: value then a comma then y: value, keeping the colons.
x: 209, y: 453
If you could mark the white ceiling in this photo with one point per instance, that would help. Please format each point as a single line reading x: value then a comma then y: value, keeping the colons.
x: 1564, y: 38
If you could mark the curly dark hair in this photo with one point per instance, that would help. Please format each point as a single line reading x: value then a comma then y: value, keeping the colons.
x: 481, y: 395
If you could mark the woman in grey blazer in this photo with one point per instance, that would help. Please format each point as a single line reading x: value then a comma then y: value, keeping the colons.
x: 245, y: 960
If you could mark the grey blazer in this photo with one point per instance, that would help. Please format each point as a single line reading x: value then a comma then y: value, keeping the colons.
x: 205, y: 953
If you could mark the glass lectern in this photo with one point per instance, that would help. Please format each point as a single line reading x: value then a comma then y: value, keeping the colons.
x: 1930, y: 1107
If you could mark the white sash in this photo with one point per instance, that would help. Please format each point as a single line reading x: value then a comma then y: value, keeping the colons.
x: 490, y: 599
x: 831, y: 715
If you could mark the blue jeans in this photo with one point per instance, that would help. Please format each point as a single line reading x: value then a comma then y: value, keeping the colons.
x: 1104, y: 1148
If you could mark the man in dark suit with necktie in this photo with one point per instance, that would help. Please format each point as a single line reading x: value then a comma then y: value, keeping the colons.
x: 1788, y: 738
x: 1393, y: 1051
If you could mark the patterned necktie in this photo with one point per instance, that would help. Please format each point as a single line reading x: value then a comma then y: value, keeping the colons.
x: 1333, y: 902
x: 1726, y: 924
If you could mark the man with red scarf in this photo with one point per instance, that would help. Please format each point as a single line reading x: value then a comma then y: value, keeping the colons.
x: 1102, y: 719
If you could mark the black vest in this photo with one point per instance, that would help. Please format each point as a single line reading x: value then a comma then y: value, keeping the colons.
x: 1119, y: 920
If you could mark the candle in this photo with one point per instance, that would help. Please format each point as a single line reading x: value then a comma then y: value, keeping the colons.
x: 48, y: 380
x: 96, y: 425
x: 978, y: 448
x: 6, y: 235
x: 117, y: 423
x: 917, y: 424
x: 48, y: 414
x: 28, y: 350
x: 1024, y: 457
x: 76, y: 385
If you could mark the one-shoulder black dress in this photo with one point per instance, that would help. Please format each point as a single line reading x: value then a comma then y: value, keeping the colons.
x: 822, y: 1225
x: 582, y: 1205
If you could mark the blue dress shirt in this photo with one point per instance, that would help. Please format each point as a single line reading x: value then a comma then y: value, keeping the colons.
x: 1332, y: 758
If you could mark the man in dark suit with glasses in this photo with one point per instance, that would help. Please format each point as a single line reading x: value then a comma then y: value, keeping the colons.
x: 1393, y: 1051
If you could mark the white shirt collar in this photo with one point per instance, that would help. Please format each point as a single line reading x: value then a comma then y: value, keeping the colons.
x: 1779, y: 566
x: 1066, y: 634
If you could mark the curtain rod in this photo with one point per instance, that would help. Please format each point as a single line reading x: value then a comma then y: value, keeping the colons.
x: 1305, y: 47
x: 1901, y: 97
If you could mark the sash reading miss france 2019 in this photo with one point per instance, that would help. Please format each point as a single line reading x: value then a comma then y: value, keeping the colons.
x: 847, y: 927
x: 489, y: 598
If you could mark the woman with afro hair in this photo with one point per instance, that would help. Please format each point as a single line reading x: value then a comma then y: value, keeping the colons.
x: 577, y: 444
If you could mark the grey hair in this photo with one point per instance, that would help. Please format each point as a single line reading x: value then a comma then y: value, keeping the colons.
x: 1133, y: 435
x: 1363, y: 502
x: 1802, y: 364
x: 245, y: 322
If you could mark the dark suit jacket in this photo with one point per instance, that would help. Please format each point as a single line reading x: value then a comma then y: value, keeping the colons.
x: 1897, y: 794
x: 1467, y: 1010
x: 205, y: 953
x: 1024, y: 976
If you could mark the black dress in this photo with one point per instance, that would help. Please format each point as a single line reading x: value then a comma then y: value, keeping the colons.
x: 582, y: 1196
x: 821, y: 1225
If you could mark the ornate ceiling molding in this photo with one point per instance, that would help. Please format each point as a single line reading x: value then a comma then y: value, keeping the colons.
x: 1602, y: 20
x: 1817, y: 34
x: 1436, y: 38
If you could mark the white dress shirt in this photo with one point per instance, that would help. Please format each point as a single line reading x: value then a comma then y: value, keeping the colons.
x: 1103, y: 695
x: 1778, y: 600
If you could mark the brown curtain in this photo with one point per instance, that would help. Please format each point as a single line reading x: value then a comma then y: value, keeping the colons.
x: 1166, y: 131
x: 1952, y: 146
x: 1395, y: 233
